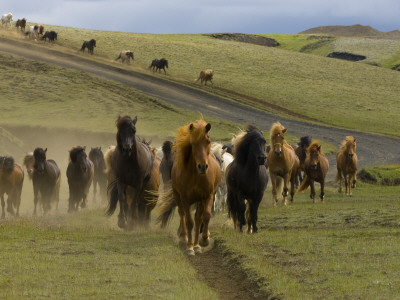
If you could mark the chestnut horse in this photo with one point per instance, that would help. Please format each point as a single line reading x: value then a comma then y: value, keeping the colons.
x: 282, y: 162
x: 247, y: 179
x: 11, y: 180
x: 346, y: 163
x: 195, y: 177
x: 316, y: 167
x: 133, y: 176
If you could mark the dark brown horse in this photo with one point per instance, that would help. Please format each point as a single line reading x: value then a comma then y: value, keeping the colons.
x: 134, y: 175
x: 316, y: 167
x: 89, y: 45
x: 282, y: 162
x: 80, y: 174
x: 247, y: 179
x: 159, y: 64
x: 301, y: 152
x: 166, y: 165
x: 96, y: 156
x: 195, y: 177
x: 46, y: 179
x: 346, y: 163
x: 21, y: 24
x: 11, y: 180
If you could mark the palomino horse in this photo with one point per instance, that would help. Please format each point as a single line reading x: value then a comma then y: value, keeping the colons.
x: 206, y: 75
x: 46, y: 179
x: 247, y: 179
x: 96, y: 156
x: 6, y: 19
x: 195, y: 176
x: 346, y: 163
x: 89, y: 45
x: 316, y: 167
x: 80, y: 172
x: 282, y: 162
x: 11, y: 180
x: 133, y: 176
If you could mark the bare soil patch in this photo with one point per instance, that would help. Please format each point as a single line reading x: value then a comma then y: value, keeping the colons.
x: 247, y: 38
x: 347, y: 56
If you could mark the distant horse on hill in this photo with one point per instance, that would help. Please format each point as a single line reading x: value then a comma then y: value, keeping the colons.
x: 134, y: 176
x: 206, y: 75
x: 125, y: 55
x: 89, y: 45
x: 247, y: 179
x: 195, y: 177
x: 96, y: 156
x: 316, y: 167
x: 159, y: 64
x: 46, y: 179
x: 346, y: 163
x: 80, y: 172
x: 51, y: 35
x: 282, y: 162
x: 6, y: 19
x: 11, y: 181
x: 21, y: 24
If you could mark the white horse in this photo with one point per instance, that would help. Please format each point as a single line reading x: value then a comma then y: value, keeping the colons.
x: 225, y: 159
x: 6, y: 19
x: 125, y: 55
x: 33, y: 32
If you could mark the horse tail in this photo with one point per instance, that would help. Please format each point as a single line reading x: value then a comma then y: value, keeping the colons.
x: 112, y: 204
x: 236, y: 208
x: 304, y: 185
x: 166, y: 206
x: 83, y: 46
x: 119, y: 56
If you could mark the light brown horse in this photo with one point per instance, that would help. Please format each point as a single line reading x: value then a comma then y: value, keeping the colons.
x: 346, y: 163
x: 11, y: 180
x: 316, y: 167
x: 194, y: 179
x: 282, y: 162
x: 206, y: 75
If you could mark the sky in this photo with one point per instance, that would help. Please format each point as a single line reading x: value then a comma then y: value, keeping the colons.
x: 207, y: 16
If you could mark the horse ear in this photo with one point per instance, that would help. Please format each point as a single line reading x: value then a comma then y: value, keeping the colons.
x: 134, y: 120
x: 45, y: 150
x: 84, y: 148
x: 100, y: 148
x: 208, y: 127
x: 191, y: 127
x: 284, y: 130
x: 319, y: 148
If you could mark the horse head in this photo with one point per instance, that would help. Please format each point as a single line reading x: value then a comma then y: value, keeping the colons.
x: 130, y: 54
x: 201, y: 145
x: 251, y: 147
x: 40, y: 160
x: 126, y: 139
x: 350, y: 146
x: 314, y: 151
x: 277, y: 141
x: 78, y: 157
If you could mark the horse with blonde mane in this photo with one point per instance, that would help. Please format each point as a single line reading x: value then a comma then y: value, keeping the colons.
x: 346, y: 163
x: 282, y: 162
x: 316, y: 167
x: 194, y: 179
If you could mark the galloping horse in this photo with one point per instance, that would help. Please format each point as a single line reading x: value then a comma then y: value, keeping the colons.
x: 206, y: 75
x: 135, y: 176
x: 159, y: 64
x: 301, y: 152
x: 346, y: 163
x: 21, y: 24
x: 80, y: 172
x: 96, y: 156
x: 125, y: 55
x: 46, y: 179
x: 6, y: 19
x: 89, y: 45
x: 247, y: 179
x: 316, y: 167
x: 11, y: 180
x: 195, y: 176
x: 51, y: 35
x: 282, y: 162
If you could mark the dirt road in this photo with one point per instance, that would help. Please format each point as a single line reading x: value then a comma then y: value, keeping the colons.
x: 371, y: 149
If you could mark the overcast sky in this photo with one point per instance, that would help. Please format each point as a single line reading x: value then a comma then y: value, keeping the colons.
x: 205, y: 16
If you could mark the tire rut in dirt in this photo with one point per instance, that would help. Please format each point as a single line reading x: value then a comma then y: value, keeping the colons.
x: 225, y: 277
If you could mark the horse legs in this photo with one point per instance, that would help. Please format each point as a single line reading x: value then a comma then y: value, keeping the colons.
x: 347, y: 179
x: 123, y: 206
x: 3, y: 204
x: 312, y: 187
x: 322, y: 196
x: 293, y: 178
x: 339, y: 175
x: 254, y: 213
x: 248, y: 217
x: 94, y: 190
x: 205, y: 238
x: 274, y: 192
x: 286, y: 179
x: 198, y: 223
x: 354, y: 179
x: 10, y: 207
x: 189, y: 228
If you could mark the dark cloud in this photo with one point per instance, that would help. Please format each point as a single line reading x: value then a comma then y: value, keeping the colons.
x: 167, y: 16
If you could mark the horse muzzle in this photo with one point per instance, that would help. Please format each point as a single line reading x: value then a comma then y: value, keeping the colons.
x: 202, y: 169
x: 261, y: 160
x: 314, y: 167
x: 278, y: 153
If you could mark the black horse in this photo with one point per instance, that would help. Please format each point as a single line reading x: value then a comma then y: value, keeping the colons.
x: 46, y: 179
x: 51, y: 35
x: 89, y: 45
x: 301, y: 152
x: 166, y: 164
x: 80, y: 174
x: 136, y: 172
x: 96, y: 156
x: 159, y: 64
x: 247, y: 179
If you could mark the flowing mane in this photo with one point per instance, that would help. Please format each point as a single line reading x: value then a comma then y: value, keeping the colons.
x: 74, y: 152
x: 346, y: 143
x: 187, y: 135
x: 242, y: 145
x: 276, y: 128
x: 313, y: 146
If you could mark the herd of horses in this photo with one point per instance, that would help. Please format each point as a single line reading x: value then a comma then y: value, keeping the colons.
x: 196, y: 174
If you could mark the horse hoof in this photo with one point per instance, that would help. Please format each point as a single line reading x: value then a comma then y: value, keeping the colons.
x: 121, y: 223
x: 204, y: 242
x: 190, y: 252
x: 197, y: 249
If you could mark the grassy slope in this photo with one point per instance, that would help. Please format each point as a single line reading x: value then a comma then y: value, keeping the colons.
x: 357, y: 96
